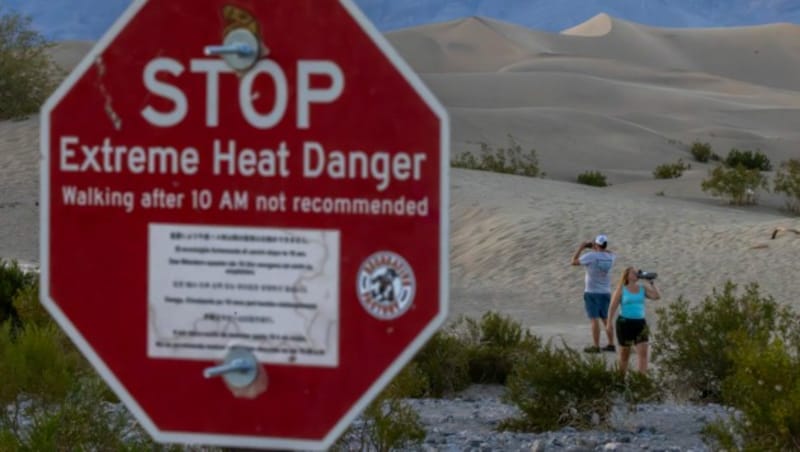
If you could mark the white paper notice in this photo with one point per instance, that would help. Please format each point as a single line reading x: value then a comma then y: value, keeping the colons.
x: 275, y: 291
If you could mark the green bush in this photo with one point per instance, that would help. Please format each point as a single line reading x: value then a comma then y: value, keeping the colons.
x: 36, y: 361
x: 509, y: 160
x: 47, y: 383
x: 27, y: 74
x: 593, y: 178
x: 82, y: 421
x: 388, y: 423
x: 787, y: 181
x: 693, y: 352
x: 671, y: 170
x: 701, y: 151
x: 411, y: 382
x: 51, y: 398
x: 26, y: 304
x: 394, y: 424
x: 12, y: 279
x: 738, y: 184
x: 558, y: 387
x: 642, y: 388
x: 445, y: 363
x: 494, y: 345
x: 765, y: 389
x: 754, y: 160
x: 468, y: 351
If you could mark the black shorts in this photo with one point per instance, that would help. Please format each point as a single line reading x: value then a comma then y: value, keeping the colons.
x: 632, y: 331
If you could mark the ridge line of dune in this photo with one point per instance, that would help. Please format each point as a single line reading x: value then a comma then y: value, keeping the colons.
x: 599, y: 25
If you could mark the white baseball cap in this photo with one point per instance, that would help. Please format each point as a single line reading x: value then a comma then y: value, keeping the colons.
x: 601, y: 239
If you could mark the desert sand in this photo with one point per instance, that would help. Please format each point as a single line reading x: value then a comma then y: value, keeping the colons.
x: 606, y: 95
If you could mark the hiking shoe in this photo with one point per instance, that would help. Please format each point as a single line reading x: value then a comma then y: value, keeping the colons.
x: 592, y: 349
x: 609, y: 348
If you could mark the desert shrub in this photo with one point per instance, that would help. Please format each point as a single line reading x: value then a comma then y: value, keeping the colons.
x: 393, y: 425
x: 444, y: 361
x: 470, y: 351
x: 37, y: 362
x: 559, y: 387
x: 12, y: 279
x: 693, y: 352
x: 737, y: 184
x: 593, y: 178
x: 54, y: 401
x: 510, y: 160
x: 27, y: 74
x: 701, y: 151
x: 787, y: 181
x: 388, y: 423
x: 754, y: 160
x: 26, y: 304
x: 671, y: 170
x: 467, y: 351
x: 494, y: 345
x: 52, y: 398
x: 411, y: 382
x: 642, y: 388
x: 82, y: 421
x: 765, y: 389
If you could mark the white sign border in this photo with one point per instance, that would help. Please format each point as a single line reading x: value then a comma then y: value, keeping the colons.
x: 119, y: 389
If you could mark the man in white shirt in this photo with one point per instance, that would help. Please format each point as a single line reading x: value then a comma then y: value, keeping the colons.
x: 597, y: 292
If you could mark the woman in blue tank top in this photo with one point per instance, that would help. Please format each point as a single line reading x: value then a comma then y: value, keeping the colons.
x: 631, y: 325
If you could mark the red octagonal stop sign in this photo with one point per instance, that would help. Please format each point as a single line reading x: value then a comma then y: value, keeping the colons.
x: 277, y: 202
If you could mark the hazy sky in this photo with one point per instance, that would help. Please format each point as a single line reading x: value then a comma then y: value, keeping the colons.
x: 89, y: 19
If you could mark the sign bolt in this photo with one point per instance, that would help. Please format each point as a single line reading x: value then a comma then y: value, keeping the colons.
x: 240, y: 49
x: 239, y: 369
x: 237, y: 365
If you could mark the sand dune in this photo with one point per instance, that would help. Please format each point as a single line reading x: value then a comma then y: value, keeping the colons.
x: 765, y: 55
x: 19, y: 190
x: 599, y: 25
x: 605, y: 95
x: 512, y: 238
x: 612, y: 94
x: 67, y: 54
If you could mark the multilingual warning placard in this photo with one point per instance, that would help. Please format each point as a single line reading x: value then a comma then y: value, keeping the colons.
x: 273, y: 290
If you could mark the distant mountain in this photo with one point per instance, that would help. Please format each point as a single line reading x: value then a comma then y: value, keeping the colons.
x: 556, y: 15
x: 69, y: 19
x: 89, y: 19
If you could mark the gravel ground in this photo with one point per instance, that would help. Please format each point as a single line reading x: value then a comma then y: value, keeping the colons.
x: 468, y: 422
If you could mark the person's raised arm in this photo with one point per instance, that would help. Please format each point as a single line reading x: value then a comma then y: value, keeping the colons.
x: 651, y: 291
x: 576, y: 258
